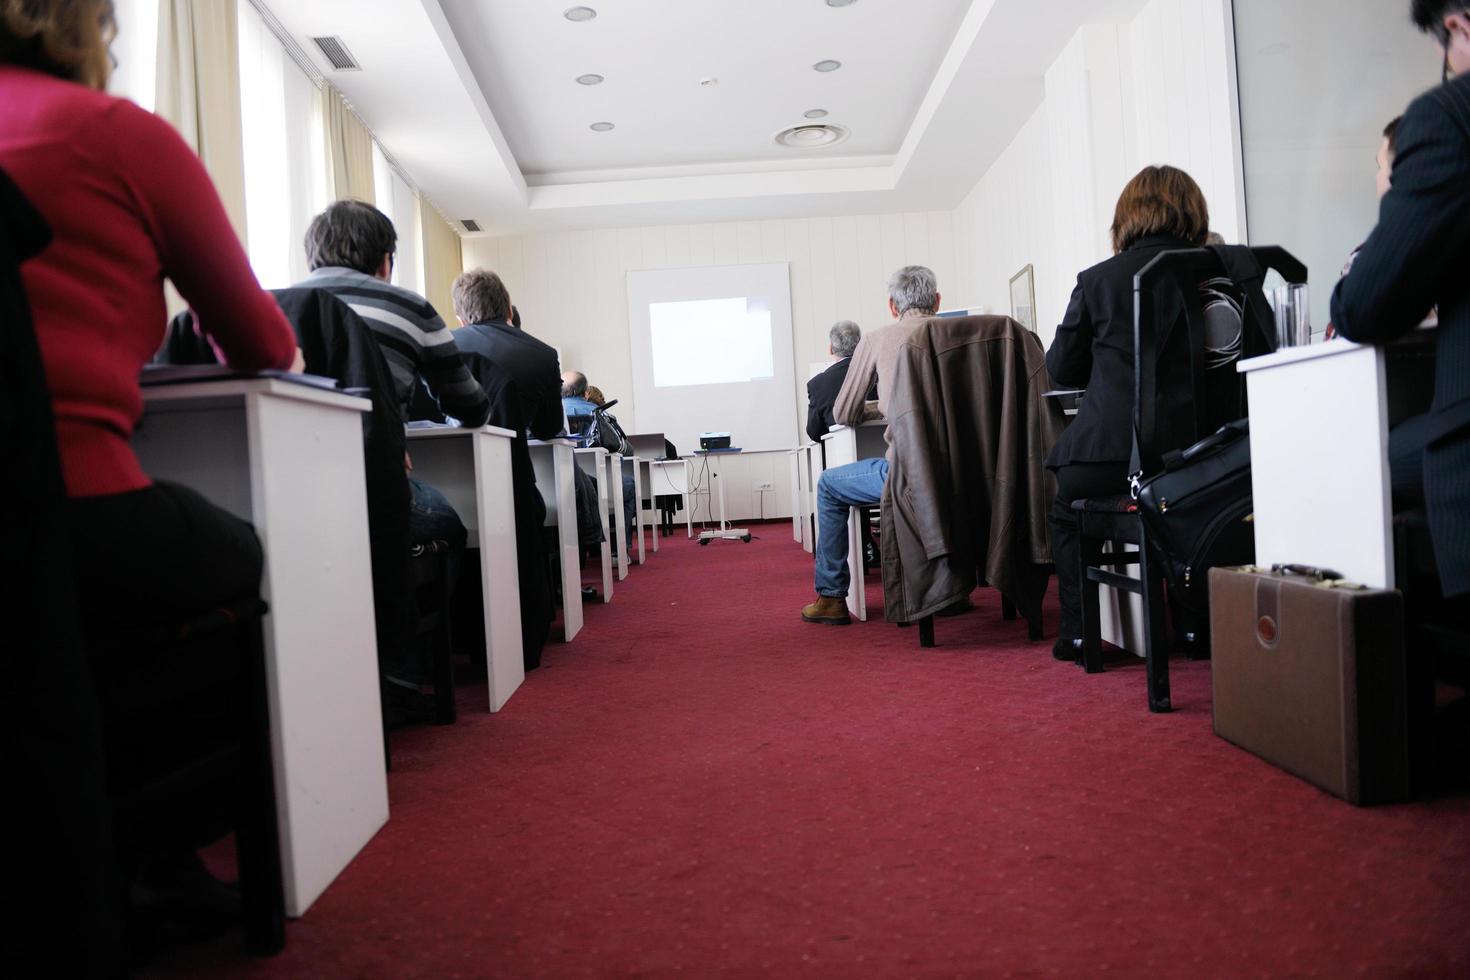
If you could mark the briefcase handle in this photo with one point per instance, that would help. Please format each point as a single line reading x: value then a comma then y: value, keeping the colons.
x: 1308, y: 571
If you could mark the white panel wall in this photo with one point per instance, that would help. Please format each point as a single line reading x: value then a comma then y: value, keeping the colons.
x: 1159, y: 89
x: 570, y: 287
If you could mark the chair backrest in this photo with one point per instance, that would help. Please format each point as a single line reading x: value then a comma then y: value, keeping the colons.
x: 1186, y: 307
x: 52, y: 741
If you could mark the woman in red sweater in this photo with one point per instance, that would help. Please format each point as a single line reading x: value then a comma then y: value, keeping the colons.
x: 129, y: 204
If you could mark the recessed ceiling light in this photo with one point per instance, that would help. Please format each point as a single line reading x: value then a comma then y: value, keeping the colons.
x: 589, y: 79
x: 841, y: 3
x: 601, y: 127
x: 579, y: 14
x: 815, y: 113
x: 811, y: 137
x: 827, y: 64
x: 709, y: 82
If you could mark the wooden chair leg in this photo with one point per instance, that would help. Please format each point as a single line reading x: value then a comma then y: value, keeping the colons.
x: 1089, y: 553
x: 1155, y: 639
x: 1008, y: 610
x: 926, y: 632
x: 257, y: 841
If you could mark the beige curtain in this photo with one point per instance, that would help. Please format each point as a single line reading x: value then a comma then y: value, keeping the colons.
x: 198, y: 90
x: 349, y: 150
x: 443, y: 260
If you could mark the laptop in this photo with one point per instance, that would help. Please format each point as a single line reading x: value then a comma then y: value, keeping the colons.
x: 647, y: 446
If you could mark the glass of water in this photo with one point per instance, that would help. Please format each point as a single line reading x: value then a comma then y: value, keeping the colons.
x: 1293, y: 307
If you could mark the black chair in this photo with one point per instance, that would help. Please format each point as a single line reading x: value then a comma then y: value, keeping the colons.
x: 1169, y: 356
x: 186, y: 726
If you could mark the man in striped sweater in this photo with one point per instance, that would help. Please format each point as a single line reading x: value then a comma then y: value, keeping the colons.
x: 350, y: 249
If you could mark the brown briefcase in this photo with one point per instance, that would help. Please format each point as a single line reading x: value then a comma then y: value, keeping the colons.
x: 1309, y: 675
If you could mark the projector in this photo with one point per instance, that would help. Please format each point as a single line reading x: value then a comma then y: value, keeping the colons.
x: 714, y: 440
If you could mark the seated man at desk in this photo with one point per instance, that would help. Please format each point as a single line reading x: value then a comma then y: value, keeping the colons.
x: 913, y: 294
x: 1414, y: 260
x: 577, y: 407
x: 821, y: 391
x: 491, y: 327
x: 350, y: 248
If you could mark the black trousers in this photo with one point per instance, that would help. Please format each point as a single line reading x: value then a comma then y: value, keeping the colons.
x: 159, y: 555
x: 1077, y: 481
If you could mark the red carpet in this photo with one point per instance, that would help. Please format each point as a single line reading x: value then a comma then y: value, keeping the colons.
x: 702, y: 785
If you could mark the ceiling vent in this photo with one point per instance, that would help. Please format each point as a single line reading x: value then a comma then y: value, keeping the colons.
x: 811, y: 137
x: 470, y: 224
x: 337, y: 54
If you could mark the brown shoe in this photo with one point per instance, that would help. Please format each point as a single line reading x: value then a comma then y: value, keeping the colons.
x: 827, y: 610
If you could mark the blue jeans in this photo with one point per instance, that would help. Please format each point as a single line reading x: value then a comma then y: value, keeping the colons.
x: 840, y: 489
x: 431, y: 517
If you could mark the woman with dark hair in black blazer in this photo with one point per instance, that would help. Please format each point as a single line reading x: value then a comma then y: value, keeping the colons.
x: 1162, y: 208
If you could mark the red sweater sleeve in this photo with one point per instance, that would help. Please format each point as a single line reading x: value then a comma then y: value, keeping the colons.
x: 198, y: 245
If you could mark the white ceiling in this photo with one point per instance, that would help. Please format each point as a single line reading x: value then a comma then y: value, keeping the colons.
x: 477, y: 100
x: 526, y: 57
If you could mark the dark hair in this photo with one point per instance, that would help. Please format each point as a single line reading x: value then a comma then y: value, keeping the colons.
x: 575, y: 388
x: 515, y: 318
x: 65, y: 38
x: 350, y: 234
x: 480, y: 296
x: 1391, y: 133
x: 1429, y: 15
x: 1160, y: 201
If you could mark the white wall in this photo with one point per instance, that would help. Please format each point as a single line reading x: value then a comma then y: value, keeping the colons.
x: 1158, y: 89
x: 571, y: 287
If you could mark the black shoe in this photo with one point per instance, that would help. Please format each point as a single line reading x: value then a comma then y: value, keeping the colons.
x: 1067, y: 651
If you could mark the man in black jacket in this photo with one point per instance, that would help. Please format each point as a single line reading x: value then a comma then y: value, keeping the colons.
x: 821, y: 391
x: 1416, y: 258
x: 482, y: 304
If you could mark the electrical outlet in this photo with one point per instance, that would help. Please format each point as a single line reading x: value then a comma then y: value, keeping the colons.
x: 764, y: 487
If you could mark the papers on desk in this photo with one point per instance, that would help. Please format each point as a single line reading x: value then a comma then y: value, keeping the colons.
x: 430, y: 424
x: 175, y: 374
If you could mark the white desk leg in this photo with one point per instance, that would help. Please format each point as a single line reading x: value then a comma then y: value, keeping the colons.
x: 857, y: 592
x: 321, y: 646
x: 638, y: 508
x: 505, y: 663
x: 688, y: 508
x: 795, y: 497
x: 566, y: 518
x: 619, y: 520
x: 597, y: 469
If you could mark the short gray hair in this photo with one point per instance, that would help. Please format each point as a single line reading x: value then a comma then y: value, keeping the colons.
x: 914, y: 288
x: 843, y: 337
x: 480, y: 296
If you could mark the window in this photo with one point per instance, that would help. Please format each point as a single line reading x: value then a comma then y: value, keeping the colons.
x: 285, y: 153
x: 136, y: 51
x: 397, y: 200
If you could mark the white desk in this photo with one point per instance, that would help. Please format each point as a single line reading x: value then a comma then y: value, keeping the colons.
x: 289, y: 459
x: 618, y: 517
x: 846, y: 445
x: 666, y: 476
x: 594, y: 463
x: 552, y: 460
x: 1319, y: 459
x: 633, y: 466
x: 471, y: 467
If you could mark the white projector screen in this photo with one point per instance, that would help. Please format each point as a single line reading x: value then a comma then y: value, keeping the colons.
x: 712, y: 352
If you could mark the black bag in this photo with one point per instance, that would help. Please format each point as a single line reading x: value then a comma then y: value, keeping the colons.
x: 603, y: 431
x: 1199, y: 508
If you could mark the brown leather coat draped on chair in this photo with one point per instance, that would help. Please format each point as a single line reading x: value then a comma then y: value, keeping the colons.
x: 967, y: 490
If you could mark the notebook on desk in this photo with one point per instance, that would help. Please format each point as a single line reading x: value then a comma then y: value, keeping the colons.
x: 176, y: 374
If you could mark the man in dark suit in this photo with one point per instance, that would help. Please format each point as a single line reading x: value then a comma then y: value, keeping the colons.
x: 1416, y: 258
x: 482, y: 304
x: 821, y: 391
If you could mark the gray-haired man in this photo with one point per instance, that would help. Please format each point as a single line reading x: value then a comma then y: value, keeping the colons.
x: 913, y: 294
x: 821, y: 391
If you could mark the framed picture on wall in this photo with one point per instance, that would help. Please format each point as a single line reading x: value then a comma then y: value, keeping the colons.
x: 1023, y: 298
